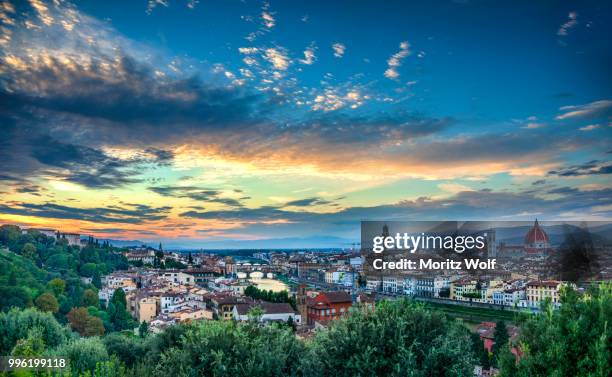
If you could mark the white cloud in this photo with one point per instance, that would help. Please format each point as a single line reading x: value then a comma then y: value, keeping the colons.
x: 533, y: 125
x: 572, y: 20
x: 309, y: 56
x: 152, y: 4
x: 248, y: 50
x: 395, y: 61
x: 339, y: 49
x: 587, y: 110
x: 590, y: 127
x: 267, y: 17
x: 277, y: 58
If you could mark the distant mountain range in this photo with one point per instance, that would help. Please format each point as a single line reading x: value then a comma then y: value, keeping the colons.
x: 315, y: 242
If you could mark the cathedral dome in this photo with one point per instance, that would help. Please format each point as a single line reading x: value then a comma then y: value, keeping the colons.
x: 536, y: 236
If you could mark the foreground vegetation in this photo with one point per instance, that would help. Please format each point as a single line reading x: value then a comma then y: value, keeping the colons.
x: 398, y: 338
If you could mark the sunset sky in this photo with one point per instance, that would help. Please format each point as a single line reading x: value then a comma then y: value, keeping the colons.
x: 212, y: 123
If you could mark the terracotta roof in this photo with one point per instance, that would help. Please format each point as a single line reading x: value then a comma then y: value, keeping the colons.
x: 550, y: 283
x: 536, y: 235
x: 339, y: 296
x: 268, y: 307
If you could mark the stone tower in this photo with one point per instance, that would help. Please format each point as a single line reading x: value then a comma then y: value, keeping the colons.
x: 300, y: 299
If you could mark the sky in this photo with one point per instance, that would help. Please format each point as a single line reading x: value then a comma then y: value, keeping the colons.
x: 242, y: 123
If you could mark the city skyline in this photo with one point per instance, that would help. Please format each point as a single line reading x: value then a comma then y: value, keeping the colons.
x: 219, y: 122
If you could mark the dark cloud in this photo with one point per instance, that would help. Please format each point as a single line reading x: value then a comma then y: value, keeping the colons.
x: 133, y: 214
x: 307, y: 202
x: 196, y: 193
x: 593, y: 167
x: 467, y: 205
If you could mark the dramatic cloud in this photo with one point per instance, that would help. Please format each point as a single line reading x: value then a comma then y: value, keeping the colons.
x: 129, y: 213
x: 196, y: 193
x: 482, y: 204
x: 307, y: 202
x: 594, y: 167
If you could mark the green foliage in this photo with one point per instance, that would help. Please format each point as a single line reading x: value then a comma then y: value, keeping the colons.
x: 173, y: 264
x: 500, y: 339
x: 29, y: 251
x: 32, y: 346
x: 46, y: 302
x: 143, y: 329
x: 117, y: 311
x: 398, y: 338
x: 482, y: 355
x: 128, y: 349
x: 16, y: 324
x: 90, y: 298
x: 84, y: 354
x: 270, y: 296
x: 224, y: 348
x: 57, y: 286
x: 572, y: 341
x: 22, y: 279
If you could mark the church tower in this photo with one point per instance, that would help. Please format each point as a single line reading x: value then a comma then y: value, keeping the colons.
x: 300, y: 299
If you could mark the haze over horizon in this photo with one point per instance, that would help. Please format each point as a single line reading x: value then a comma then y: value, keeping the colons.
x: 222, y: 122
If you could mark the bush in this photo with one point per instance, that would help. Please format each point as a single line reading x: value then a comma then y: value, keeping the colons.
x: 16, y: 324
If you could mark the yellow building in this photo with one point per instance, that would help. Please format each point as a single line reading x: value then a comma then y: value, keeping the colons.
x: 538, y: 291
x: 147, y: 309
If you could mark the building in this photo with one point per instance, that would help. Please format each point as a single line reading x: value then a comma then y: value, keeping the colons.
x: 536, y: 240
x: 192, y: 314
x: 223, y: 304
x: 147, y: 308
x: 301, y: 303
x: 538, y: 291
x: 74, y: 239
x: 327, y: 306
x: 280, y: 312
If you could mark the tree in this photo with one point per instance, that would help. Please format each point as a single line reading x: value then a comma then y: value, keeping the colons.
x: 481, y: 353
x: 225, y: 348
x: 190, y: 259
x: 84, y: 354
x: 96, y: 281
x: 17, y: 323
x: 90, y: 298
x: 17, y: 297
x: 47, y: 303
x: 574, y: 340
x: 143, y: 329
x: 117, y: 311
x: 399, y: 338
x: 85, y: 324
x: 57, y: 286
x: 12, y: 280
x: 32, y: 346
x: 29, y: 251
x: 500, y: 339
x: 255, y: 313
x: 89, y: 269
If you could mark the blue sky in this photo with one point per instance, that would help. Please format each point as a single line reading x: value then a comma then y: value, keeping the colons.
x: 202, y: 122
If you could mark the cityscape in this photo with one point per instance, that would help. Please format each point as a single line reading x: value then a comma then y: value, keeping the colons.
x: 305, y: 188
